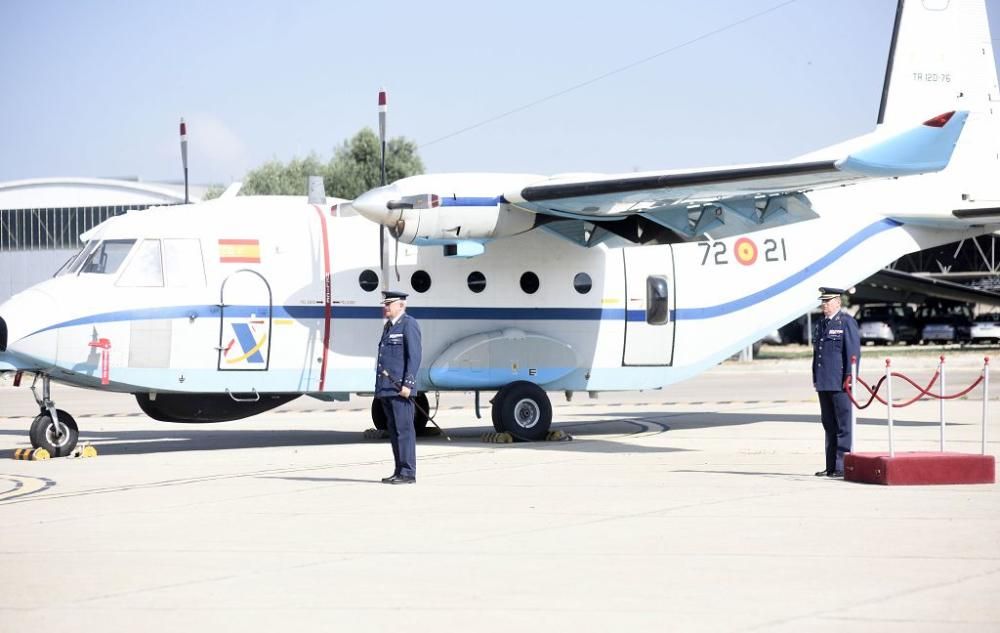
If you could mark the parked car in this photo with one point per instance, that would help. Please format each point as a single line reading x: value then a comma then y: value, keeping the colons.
x: 882, y: 324
x: 986, y: 328
x: 946, y: 323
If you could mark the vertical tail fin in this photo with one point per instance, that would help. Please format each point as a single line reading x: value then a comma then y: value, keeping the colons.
x: 941, y: 59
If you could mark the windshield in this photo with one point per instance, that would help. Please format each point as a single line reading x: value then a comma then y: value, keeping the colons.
x: 106, y: 258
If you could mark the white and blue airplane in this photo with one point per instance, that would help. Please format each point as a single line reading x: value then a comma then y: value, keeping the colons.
x: 523, y: 284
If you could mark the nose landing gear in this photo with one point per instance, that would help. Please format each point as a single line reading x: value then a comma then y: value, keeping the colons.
x: 52, y: 429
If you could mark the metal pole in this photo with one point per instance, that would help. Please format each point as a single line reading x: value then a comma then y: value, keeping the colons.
x: 986, y: 396
x: 854, y: 411
x: 941, y: 399
x: 888, y: 401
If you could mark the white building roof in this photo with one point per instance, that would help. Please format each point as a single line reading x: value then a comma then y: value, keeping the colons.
x: 41, y: 193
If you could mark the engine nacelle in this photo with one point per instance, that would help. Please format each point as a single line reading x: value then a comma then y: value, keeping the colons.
x: 448, y: 208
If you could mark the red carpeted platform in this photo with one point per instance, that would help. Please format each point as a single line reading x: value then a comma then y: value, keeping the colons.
x: 905, y: 469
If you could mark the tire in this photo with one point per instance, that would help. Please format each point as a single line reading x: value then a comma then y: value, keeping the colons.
x: 43, y: 434
x: 495, y: 412
x: 35, y: 431
x: 419, y: 418
x: 378, y: 416
x: 523, y: 410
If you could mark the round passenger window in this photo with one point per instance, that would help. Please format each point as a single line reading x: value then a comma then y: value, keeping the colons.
x: 368, y: 280
x: 420, y: 281
x: 476, y: 281
x: 529, y: 282
x: 582, y: 283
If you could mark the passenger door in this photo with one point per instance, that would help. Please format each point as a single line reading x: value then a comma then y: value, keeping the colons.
x: 245, y: 322
x: 650, y: 306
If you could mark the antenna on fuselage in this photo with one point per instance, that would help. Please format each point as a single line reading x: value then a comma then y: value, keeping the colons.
x: 184, y: 157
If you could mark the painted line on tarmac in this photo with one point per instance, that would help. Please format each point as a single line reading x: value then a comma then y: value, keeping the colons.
x: 17, y: 486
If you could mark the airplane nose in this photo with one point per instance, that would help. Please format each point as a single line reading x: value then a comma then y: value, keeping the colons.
x: 22, y: 327
x: 374, y: 205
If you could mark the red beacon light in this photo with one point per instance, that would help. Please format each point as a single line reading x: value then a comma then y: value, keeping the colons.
x: 940, y: 120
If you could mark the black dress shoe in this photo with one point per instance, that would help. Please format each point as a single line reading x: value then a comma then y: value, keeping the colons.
x: 835, y: 473
x: 822, y: 473
x: 389, y: 479
x: 400, y: 479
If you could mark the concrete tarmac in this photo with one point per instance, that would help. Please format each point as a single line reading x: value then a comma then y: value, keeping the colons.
x: 693, y: 508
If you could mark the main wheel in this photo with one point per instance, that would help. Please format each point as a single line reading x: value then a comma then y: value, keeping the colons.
x: 44, y: 435
x: 523, y: 410
x: 378, y: 415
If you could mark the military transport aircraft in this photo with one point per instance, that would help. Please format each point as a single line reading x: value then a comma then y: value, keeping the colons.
x: 523, y: 284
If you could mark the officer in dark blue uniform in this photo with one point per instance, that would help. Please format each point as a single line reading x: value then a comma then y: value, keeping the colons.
x: 395, y: 383
x: 835, y: 341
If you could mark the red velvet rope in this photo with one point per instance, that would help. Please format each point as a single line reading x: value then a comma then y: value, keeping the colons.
x: 921, y: 391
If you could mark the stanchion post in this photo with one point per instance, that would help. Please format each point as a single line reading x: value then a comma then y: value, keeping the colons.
x: 854, y: 411
x: 986, y: 396
x: 888, y: 402
x: 941, y: 399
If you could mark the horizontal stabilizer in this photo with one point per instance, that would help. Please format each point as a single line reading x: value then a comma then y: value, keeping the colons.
x: 927, y: 148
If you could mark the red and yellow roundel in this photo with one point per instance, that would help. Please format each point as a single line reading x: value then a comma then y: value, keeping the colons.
x: 746, y: 251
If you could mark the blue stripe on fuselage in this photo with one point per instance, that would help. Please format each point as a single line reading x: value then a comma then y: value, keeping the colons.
x: 498, y: 314
x: 471, y: 201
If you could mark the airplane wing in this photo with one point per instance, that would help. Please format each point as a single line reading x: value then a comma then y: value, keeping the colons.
x: 732, y: 200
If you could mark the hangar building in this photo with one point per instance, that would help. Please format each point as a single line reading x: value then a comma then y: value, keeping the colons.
x: 41, y: 219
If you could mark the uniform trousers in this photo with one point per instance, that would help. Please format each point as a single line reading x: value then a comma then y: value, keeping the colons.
x: 402, y: 436
x: 835, y: 411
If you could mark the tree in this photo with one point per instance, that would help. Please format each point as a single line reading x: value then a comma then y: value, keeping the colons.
x: 276, y: 178
x: 354, y: 169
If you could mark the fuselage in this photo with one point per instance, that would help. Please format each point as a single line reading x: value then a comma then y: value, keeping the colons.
x: 272, y: 294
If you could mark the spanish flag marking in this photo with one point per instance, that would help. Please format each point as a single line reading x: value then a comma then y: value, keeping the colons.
x: 239, y: 251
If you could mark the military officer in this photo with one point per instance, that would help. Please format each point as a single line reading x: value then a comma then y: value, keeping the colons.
x: 395, y: 383
x: 835, y: 341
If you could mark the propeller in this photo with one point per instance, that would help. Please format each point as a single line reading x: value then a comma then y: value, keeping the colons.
x: 382, y: 250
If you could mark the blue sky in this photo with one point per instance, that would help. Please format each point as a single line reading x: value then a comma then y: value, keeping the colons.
x: 96, y: 88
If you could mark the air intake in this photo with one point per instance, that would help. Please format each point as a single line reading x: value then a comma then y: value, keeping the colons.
x: 3, y: 335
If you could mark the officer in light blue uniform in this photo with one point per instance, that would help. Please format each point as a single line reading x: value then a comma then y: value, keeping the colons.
x: 835, y: 341
x: 395, y: 383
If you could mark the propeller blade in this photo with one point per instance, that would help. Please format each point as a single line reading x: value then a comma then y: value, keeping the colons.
x: 382, y: 246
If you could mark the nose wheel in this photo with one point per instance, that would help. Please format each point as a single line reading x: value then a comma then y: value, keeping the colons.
x: 52, y: 429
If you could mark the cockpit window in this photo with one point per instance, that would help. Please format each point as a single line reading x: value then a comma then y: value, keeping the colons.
x: 73, y: 264
x: 107, y: 257
x: 145, y: 269
x: 185, y: 268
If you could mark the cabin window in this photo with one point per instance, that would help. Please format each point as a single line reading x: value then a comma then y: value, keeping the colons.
x: 368, y: 280
x: 582, y: 283
x: 420, y: 281
x: 657, y: 300
x: 476, y: 281
x: 145, y: 269
x: 107, y: 257
x: 529, y: 282
x: 184, y: 265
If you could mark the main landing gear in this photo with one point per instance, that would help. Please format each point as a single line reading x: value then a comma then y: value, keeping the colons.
x: 520, y: 408
x: 52, y: 429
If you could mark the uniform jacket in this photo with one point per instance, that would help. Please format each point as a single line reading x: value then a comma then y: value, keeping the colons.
x: 834, y: 343
x: 398, y: 354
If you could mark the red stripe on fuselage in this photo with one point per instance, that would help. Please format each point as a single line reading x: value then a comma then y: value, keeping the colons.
x: 327, y: 296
